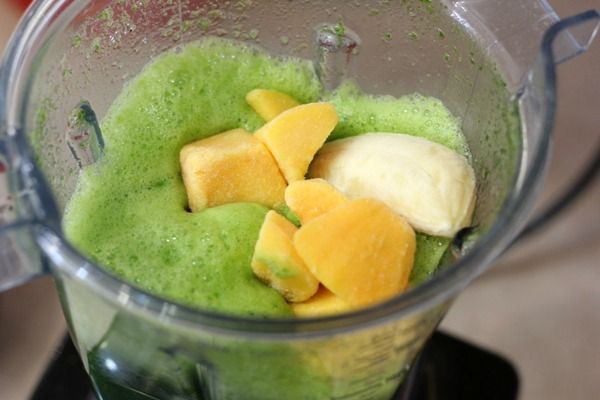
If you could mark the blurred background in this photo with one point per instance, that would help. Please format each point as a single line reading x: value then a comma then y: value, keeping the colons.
x: 539, y: 306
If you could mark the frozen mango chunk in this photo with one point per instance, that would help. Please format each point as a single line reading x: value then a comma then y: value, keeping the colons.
x: 269, y: 103
x: 295, y: 135
x: 322, y: 303
x: 230, y: 167
x: 361, y: 251
x: 277, y: 263
x: 311, y: 198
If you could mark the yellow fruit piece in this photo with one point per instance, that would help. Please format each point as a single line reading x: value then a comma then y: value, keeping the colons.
x: 430, y: 185
x: 361, y: 251
x: 230, y: 167
x: 311, y: 198
x: 269, y: 103
x: 294, y: 136
x: 322, y: 303
x: 277, y: 263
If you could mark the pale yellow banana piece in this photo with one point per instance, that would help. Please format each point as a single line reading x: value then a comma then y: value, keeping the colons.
x: 430, y: 185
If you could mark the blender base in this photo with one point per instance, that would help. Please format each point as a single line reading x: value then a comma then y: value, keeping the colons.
x: 447, y: 369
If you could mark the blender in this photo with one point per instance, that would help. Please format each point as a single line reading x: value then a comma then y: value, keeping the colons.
x: 482, y: 59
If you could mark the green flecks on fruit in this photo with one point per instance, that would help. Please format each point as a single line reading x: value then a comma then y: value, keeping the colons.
x: 287, y: 212
x: 280, y: 268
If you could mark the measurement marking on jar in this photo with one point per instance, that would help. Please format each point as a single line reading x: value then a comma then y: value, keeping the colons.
x: 374, y: 359
x: 370, y: 379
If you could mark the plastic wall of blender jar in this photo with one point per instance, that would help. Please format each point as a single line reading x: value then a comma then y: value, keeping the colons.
x: 225, y: 365
x: 139, y: 309
x: 99, y: 55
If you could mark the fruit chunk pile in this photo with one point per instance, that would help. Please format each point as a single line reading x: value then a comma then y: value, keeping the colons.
x: 353, y: 243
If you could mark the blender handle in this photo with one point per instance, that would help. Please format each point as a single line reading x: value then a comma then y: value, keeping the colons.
x: 16, y: 266
x: 16, y: 246
x: 583, y: 182
x: 560, y: 45
x: 24, y: 208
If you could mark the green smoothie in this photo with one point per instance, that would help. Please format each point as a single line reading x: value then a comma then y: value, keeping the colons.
x: 129, y: 211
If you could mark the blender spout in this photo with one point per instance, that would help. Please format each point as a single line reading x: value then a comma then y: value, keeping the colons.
x: 571, y: 37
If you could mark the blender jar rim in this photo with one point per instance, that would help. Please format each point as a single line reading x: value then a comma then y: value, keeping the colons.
x: 37, y: 26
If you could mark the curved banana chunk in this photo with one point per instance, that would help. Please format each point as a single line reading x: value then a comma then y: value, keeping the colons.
x: 430, y: 185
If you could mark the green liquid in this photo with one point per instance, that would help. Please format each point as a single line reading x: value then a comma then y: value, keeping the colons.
x: 129, y: 212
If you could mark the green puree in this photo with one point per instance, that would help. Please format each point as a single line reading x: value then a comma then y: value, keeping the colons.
x: 129, y: 211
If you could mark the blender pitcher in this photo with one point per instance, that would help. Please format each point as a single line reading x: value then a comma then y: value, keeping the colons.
x: 483, y: 59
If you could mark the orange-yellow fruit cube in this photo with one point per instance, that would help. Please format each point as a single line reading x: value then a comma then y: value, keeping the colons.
x: 361, y: 251
x: 277, y: 263
x: 269, y: 103
x: 322, y: 303
x: 295, y: 135
x: 230, y: 167
x: 310, y: 198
